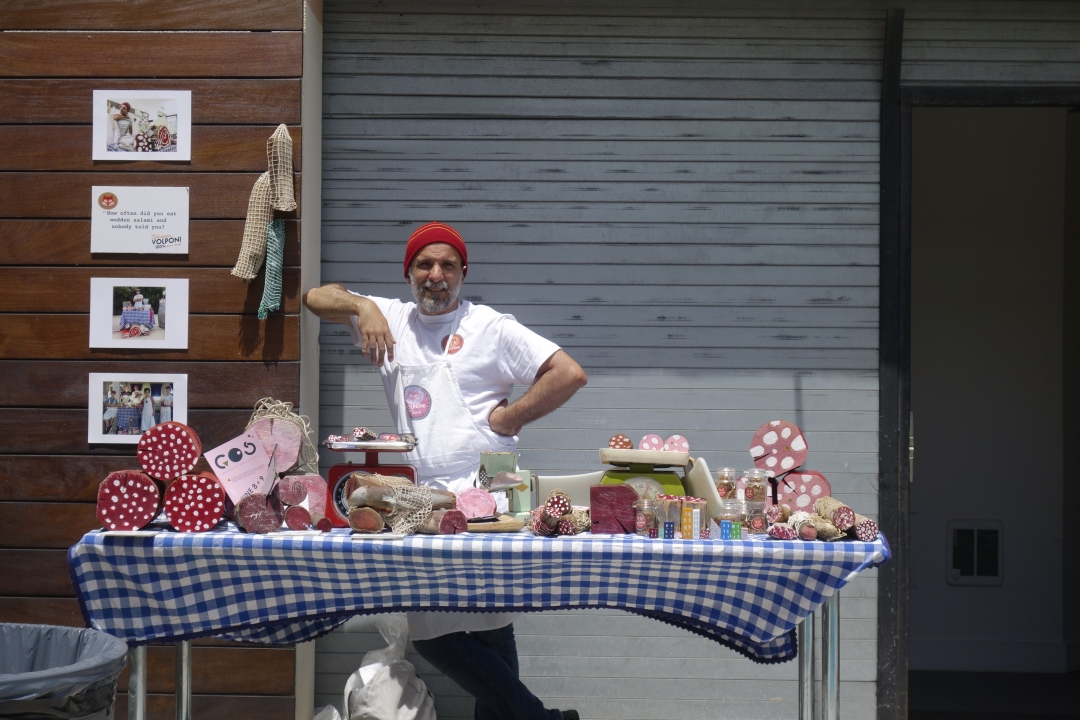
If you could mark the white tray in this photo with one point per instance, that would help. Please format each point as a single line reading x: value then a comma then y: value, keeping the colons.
x: 656, y: 458
x: 370, y: 446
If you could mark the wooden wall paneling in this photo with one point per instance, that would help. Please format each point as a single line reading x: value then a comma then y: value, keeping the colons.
x: 215, y: 707
x: 218, y: 670
x: 213, y: 385
x: 44, y: 431
x: 41, y: 573
x: 210, y: 291
x: 152, y: 15
x: 178, y: 54
x: 67, y: 194
x: 58, y: 478
x: 67, y: 242
x: 210, y: 337
x: 226, y: 101
x: 46, y: 525
x: 214, y: 148
x: 39, y: 610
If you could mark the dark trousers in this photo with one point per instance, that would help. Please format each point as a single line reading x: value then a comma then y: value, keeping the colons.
x: 485, y: 665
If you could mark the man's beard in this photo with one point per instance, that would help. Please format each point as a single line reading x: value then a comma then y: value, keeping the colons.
x: 429, y: 304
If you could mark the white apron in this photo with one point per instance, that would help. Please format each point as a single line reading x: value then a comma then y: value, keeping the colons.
x: 426, y: 401
x: 147, y: 414
x: 166, y: 409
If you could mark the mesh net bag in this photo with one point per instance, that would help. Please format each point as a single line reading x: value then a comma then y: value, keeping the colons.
x: 275, y: 252
x: 279, y: 154
x: 412, y: 507
x: 271, y: 408
x: 253, y: 247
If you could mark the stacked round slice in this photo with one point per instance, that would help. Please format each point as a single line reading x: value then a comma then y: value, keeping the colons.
x: 127, y: 500
x: 169, y: 450
x: 778, y: 446
x: 195, y: 503
x: 620, y: 442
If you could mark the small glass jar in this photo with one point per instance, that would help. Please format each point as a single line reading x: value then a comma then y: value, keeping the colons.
x: 756, y: 523
x: 645, y: 518
x: 726, y: 486
x: 756, y: 489
x: 731, y: 510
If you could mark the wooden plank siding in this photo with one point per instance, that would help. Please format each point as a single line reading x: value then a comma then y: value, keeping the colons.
x: 684, y: 196
x: 242, y: 60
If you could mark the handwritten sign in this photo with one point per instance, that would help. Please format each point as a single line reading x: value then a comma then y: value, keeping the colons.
x: 242, y: 466
x: 143, y: 220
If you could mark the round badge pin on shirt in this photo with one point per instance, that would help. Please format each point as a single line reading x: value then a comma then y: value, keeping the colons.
x: 456, y: 343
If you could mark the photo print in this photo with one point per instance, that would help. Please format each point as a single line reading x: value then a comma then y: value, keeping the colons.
x: 139, y: 313
x: 142, y: 124
x: 122, y: 406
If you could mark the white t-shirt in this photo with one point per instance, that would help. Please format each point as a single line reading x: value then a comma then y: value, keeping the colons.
x: 491, y: 352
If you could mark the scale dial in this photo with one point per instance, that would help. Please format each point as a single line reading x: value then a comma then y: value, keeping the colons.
x: 645, y: 487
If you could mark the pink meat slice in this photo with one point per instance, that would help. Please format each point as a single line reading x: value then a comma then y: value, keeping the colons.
x: 168, y: 450
x: 259, y: 513
x: 778, y: 446
x: 475, y: 502
x: 127, y: 500
x: 290, y: 491
x: 297, y: 518
x: 316, y: 492
x: 801, y: 489
x: 194, y: 503
x: 677, y: 443
x: 285, y: 435
x: 651, y: 442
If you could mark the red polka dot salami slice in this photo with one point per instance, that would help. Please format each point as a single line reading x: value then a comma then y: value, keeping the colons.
x: 195, y: 503
x: 127, y: 500
x: 801, y: 489
x: 778, y: 446
x: 169, y: 450
x: 620, y: 442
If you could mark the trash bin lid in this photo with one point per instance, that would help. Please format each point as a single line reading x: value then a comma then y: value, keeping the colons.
x: 42, y: 661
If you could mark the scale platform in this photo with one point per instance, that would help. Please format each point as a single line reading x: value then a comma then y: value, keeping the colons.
x: 641, y: 471
x: 337, y: 506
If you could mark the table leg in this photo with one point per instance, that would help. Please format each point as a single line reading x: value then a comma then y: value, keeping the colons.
x: 137, y: 683
x: 183, y: 680
x: 830, y: 658
x: 805, y: 634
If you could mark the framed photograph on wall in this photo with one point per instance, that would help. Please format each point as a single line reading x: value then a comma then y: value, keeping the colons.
x: 142, y: 125
x: 139, y: 313
x: 120, y: 407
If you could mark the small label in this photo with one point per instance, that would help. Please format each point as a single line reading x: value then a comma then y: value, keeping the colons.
x: 640, y: 521
x: 757, y: 522
x: 748, y: 493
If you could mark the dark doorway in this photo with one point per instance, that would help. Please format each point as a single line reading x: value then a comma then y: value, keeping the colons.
x: 987, y: 622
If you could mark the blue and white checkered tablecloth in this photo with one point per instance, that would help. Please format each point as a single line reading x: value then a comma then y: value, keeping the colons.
x: 136, y: 317
x: 283, y: 588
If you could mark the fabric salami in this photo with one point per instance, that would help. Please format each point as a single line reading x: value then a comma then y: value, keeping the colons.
x: 195, y: 503
x: 835, y: 512
x: 445, y: 522
x: 169, y: 450
x: 802, y: 488
x: 321, y: 522
x: 281, y: 438
x: 315, y: 486
x: 366, y: 520
x: 864, y: 528
x: 297, y: 518
x: 611, y: 508
x: 778, y: 446
x: 291, y: 490
x: 780, y: 531
x: 677, y: 443
x: 127, y: 500
x: 475, y: 502
x: 565, y: 527
x: 651, y: 442
x: 259, y: 513
x: 620, y: 442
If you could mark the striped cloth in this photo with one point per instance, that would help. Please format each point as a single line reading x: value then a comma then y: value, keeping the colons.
x: 284, y: 588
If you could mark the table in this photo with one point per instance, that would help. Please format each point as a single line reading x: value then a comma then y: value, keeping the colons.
x: 127, y: 418
x: 136, y: 317
x: 281, y: 588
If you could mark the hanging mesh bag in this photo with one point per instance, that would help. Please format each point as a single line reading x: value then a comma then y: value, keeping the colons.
x: 253, y: 247
x: 279, y: 155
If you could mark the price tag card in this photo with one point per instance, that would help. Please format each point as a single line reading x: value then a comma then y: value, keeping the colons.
x: 242, y: 466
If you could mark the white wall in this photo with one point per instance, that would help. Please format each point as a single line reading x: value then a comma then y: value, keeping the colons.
x: 986, y: 388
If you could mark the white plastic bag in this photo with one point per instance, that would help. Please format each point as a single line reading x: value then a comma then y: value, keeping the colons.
x: 386, y: 686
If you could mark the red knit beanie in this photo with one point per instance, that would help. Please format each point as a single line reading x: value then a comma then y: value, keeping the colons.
x: 435, y: 233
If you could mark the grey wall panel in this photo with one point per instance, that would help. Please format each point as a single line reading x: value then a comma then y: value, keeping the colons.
x: 684, y: 196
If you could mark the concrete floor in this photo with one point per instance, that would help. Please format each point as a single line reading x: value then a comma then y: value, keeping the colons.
x: 1000, y: 696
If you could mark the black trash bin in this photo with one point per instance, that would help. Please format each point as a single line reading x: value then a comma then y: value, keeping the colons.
x: 58, y: 672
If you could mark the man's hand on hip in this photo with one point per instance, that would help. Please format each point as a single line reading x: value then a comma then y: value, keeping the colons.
x: 500, y: 422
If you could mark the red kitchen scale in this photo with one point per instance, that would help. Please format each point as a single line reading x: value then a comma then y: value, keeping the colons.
x: 337, y: 505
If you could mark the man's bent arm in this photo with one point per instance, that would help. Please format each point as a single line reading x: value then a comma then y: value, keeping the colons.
x: 334, y: 303
x: 556, y: 382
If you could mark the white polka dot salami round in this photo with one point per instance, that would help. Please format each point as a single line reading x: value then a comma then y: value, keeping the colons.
x: 169, y: 450
x: 127, y: 500
x: 778, y: 446
x: 677, y: 443
x: 195, y: 503
x: 651, y: 442
x: 801, y: 489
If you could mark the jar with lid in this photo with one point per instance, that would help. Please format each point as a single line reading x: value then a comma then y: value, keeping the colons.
x: 725, y: 483
x: 755, y: 492
x: 645, y: 523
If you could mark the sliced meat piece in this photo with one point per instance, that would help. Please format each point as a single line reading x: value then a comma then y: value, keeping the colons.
x: 802, y: 488
x: 475, y: 502
x: 169, y: 450
x: 366, y: 520
x: 281, y: 438
x: 835, y: 512
x: 315, y: 487
x: 291, y: 491
x: 779, y: 446
x: 259, y: 513
x: 864, y: 528
x: 321, y: 522
x: 195, y: 503
x: 127, y: 500
x: 611, y: 508
x: 444, y: 522
x: 297, y: 518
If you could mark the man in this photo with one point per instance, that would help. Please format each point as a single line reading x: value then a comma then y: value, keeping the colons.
x: 449, y: 367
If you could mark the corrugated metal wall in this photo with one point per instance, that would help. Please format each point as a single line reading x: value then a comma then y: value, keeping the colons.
x: 684, y: 196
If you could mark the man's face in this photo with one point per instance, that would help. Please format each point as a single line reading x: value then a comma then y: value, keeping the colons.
x: 435, y: 278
